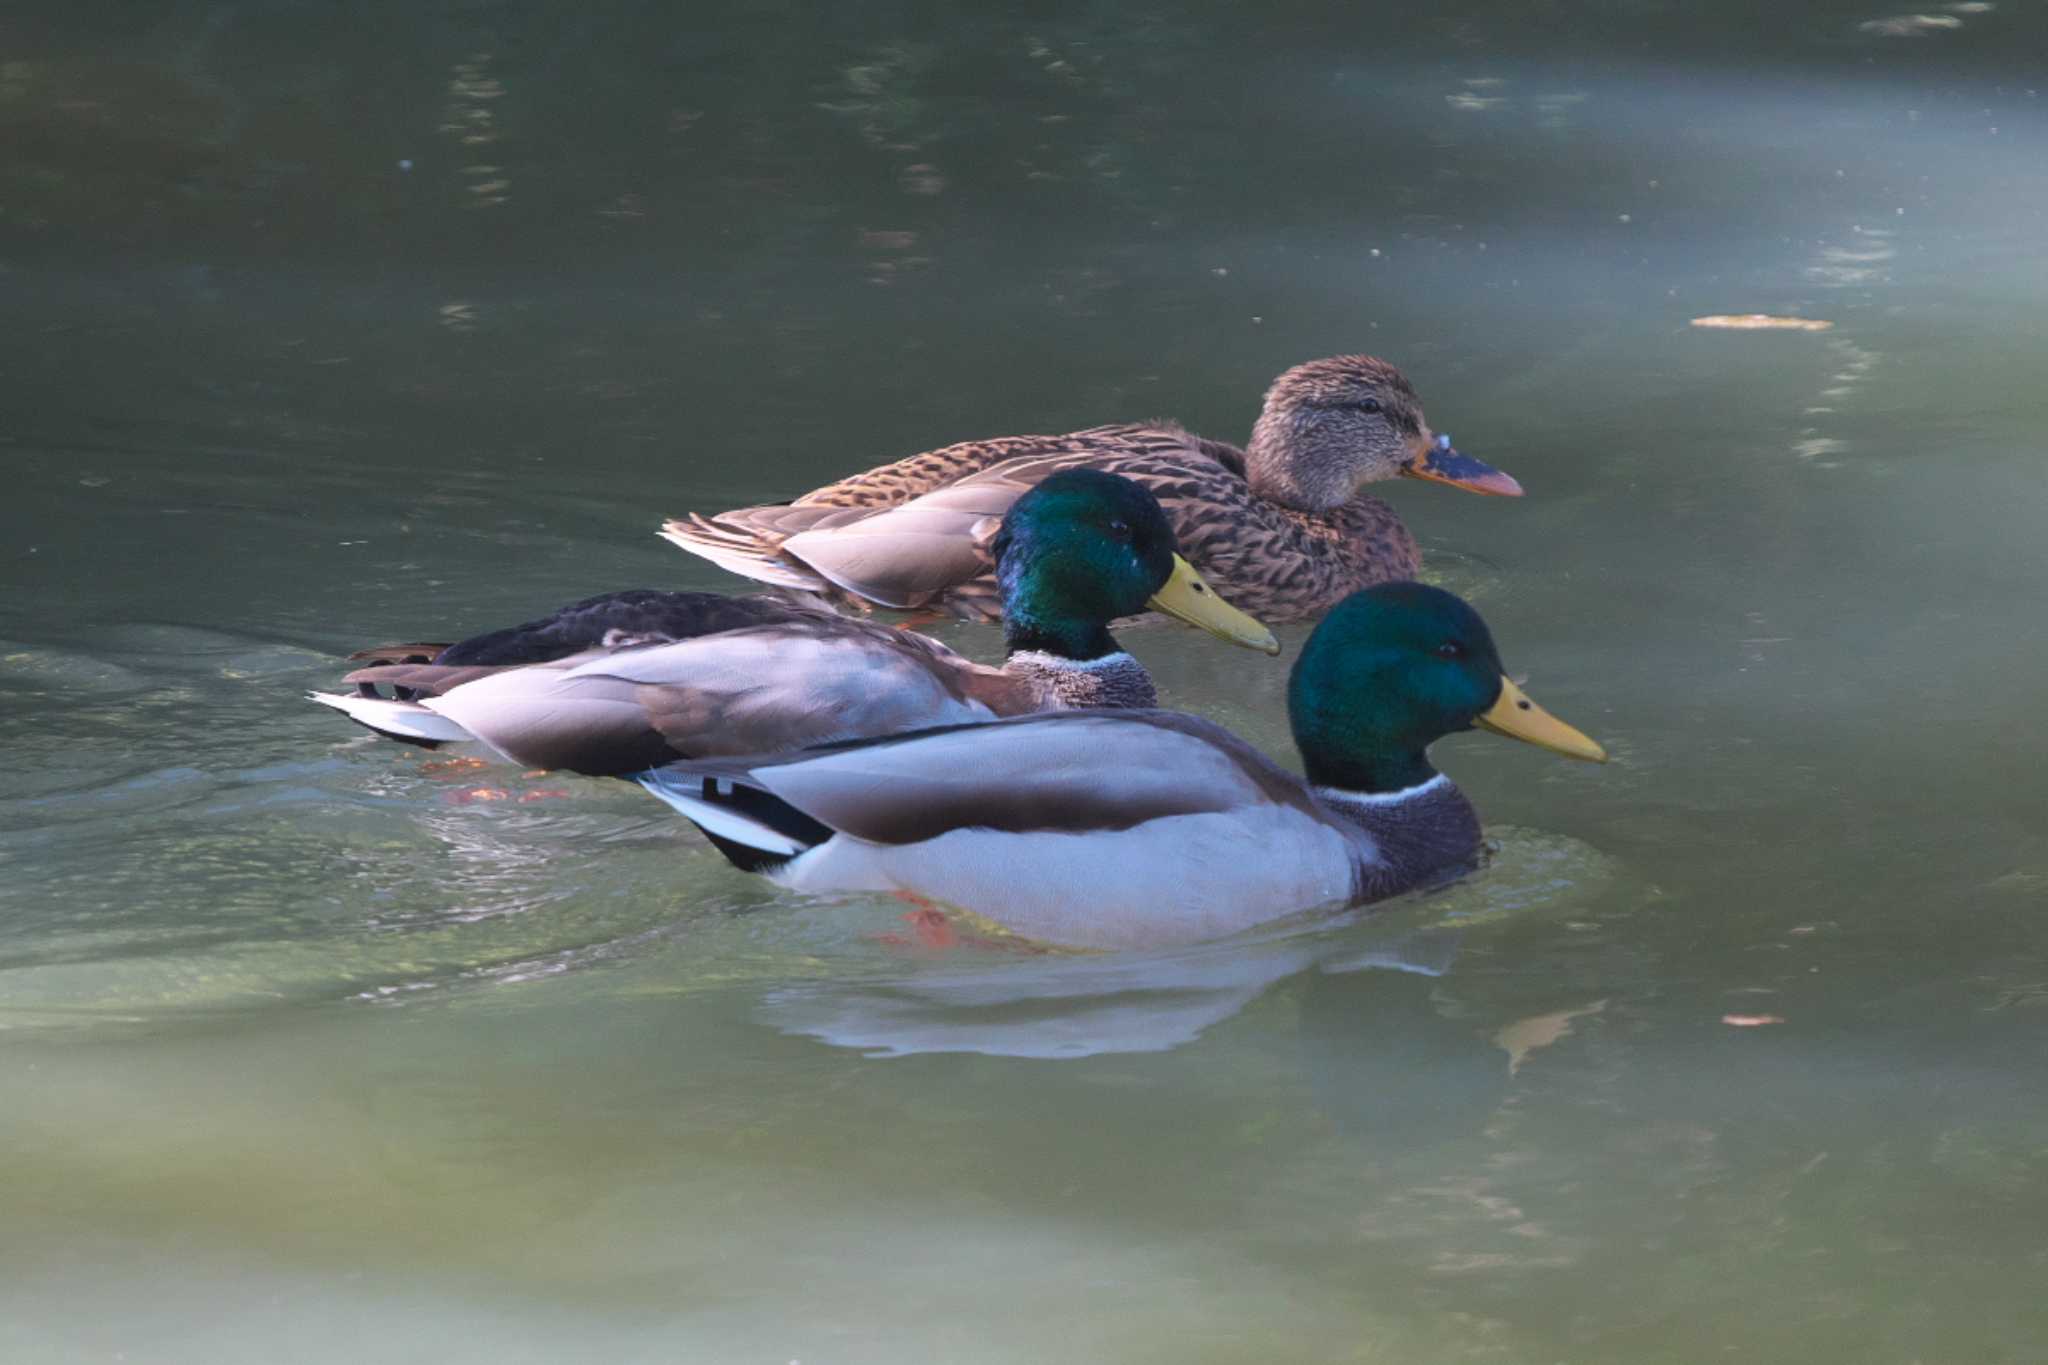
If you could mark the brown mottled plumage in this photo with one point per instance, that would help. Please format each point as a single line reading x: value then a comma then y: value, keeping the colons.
x: 1280, y: 528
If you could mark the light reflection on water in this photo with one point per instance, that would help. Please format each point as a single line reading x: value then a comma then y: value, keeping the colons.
x: 288, y: 1023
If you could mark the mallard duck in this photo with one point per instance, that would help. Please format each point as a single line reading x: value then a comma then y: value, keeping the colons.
x: 394, y: 678
x: 1134, y: 828
x: 1281, y: 527
x: 645, y: 678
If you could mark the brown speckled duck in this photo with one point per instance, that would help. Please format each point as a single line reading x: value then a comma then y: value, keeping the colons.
x: 1281, y: 528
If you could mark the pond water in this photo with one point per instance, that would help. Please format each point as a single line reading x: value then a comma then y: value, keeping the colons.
x: 333, y: 325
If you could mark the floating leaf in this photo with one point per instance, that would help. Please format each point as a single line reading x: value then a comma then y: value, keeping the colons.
x: 1762, y: 322
x: 1539, y: 1031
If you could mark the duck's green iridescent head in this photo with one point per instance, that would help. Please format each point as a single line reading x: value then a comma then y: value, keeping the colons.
x: 1392, y: 670
x: 1086, y: 547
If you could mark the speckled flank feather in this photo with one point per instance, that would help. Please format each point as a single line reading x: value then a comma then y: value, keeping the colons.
x: 1278, y: 528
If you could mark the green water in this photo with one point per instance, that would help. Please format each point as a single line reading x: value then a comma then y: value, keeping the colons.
x: 329, y: 325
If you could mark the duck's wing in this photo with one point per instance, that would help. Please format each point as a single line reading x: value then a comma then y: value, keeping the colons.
x: 749, y: 541
x: 903, y: 534
x: 634, y: 616
x: 1089, y: 829
x: 393, y: 678
x: 1072, y: 771
x: 609, y: 620
x: 761, y: 689
x: 909, y: 555
x: 916, y: 553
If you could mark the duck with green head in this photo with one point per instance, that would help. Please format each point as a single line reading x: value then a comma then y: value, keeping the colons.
x: 1137, y: 828
x: 1082, y: 550
x: 694, y: 677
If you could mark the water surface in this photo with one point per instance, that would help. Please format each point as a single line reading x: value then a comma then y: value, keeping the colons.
x: 335, y: 326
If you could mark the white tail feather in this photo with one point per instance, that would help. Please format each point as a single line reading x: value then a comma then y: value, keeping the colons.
x: 681, y: 793
x: 398, y: 719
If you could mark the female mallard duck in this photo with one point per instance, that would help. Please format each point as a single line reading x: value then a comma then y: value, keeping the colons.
x: 1281, y: 527
x: 691, y: 674
x: 1136, y: 828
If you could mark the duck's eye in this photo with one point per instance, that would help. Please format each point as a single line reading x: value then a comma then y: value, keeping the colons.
x: 1450, y: 649
x: 1120, y: 529
x: 1368, y: 405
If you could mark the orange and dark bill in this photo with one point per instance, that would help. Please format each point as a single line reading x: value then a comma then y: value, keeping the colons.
x: 1443, y: 463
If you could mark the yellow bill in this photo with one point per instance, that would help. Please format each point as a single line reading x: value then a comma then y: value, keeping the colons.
x: 1187, y: 597
x: 1515, y: 716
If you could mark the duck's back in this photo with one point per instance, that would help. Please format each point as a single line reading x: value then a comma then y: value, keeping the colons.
x: 1276, y: 562
x: 1284, y: 565
x: 914, y: 534
x: 893, y: 484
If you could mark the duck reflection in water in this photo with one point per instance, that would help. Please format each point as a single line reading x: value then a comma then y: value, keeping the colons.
x: 1084, y: 1006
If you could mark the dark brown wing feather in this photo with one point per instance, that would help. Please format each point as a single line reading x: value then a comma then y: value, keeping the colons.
x: 426, y: 680
x: 401, y: 654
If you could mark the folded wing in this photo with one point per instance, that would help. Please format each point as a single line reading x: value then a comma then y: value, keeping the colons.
x: 1062, y: 771
x: 765, y: 689
x: 907, y: 534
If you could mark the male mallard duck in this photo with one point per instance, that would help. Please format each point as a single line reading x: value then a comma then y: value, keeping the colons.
x: 692, y: 674
x: 1134, y: 828
x: 1281, y: 527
